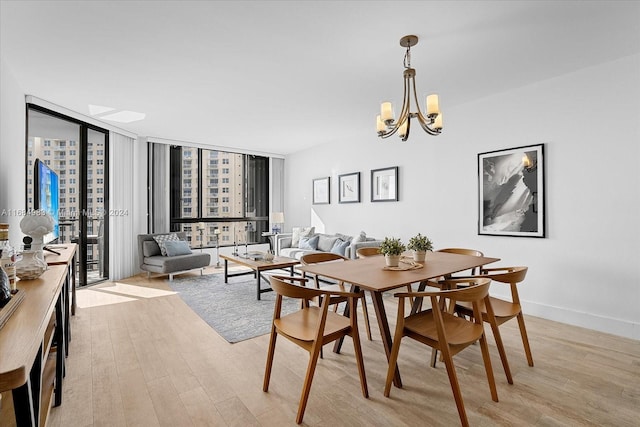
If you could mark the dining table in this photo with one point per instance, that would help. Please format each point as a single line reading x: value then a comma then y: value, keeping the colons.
x: 372, y: 275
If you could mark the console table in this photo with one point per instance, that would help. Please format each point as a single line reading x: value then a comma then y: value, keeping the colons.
x: 66, y: 255
x: 33, y: 347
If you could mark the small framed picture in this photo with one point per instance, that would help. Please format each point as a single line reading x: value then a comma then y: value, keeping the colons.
x: 511, y: 192
x: 321, y: 191
x: 349, y: 188
x: 384, y: 185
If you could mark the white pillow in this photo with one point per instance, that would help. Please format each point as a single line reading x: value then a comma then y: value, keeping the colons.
x: 362, y: 237
x: 298, y: 232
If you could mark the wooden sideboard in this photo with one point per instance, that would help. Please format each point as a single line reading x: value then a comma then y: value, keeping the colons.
x: 32, y: 347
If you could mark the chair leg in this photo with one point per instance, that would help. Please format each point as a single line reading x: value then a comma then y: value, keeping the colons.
x: 503, y: 354
x: 487, y: 367
x: 272, y: 348
x: 393, y: 360
x: 365, y: 311
x: 455, y: 386
x: 306, y: 388
x: 355, y: 335
x: 525, y: 339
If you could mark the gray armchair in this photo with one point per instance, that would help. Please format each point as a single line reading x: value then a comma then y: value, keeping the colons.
x: 152, y: 260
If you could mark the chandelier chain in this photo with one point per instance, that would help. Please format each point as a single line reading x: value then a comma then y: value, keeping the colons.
x: 407, y: 58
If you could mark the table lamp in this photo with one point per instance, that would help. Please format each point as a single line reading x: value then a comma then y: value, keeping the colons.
x: 276, y: 218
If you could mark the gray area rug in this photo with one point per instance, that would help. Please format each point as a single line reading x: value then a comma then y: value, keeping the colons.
x: 231, y: 309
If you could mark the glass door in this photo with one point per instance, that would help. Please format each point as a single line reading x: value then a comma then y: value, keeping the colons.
x: 77, y: 153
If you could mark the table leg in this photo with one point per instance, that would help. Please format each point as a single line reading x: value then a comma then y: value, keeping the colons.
x: 385, y: 332
x: 73, y: 283
x: 226, y: 271
x: 67, y: 331
x: 60, y: 353
x: 417, y: 302
x: 258, y: 283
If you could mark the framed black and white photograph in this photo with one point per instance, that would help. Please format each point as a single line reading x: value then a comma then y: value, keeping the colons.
x: 384, y: 185
x: 511, y: 196
x: 321, y: 191
x: 349, y: 188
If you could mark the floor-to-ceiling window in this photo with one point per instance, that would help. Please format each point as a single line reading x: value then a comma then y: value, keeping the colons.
x: 218, y: 197
x: 77, y: 152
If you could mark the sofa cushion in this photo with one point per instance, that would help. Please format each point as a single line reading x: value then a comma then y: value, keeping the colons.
x: 309, y: 242
x: 339, y: 247
x: 297, y: 232
x: 150, y: 248
x: 162, y: 238
x: 177, y: 247
x: 325, y: 242
x: 296, y: 253
x: 164, y: 264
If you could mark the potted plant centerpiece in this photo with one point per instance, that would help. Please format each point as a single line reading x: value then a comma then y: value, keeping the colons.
x: 420, y: 245
x: 392, y: 249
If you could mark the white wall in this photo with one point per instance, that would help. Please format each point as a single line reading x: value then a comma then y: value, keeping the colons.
x: 587, y: 271
x: 12, y: 155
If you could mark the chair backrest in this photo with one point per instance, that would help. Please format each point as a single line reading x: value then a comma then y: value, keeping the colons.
x: 281, y: 286
x: 475, y: 289
x: 506, y: 274
x: 461, y: 251
x: 367, y: 252
x: 319, y: 257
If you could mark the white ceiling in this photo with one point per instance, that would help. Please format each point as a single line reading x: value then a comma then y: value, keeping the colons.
x: 280, y: 76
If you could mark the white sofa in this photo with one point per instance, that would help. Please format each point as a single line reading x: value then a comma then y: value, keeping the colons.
x: 325, y: 243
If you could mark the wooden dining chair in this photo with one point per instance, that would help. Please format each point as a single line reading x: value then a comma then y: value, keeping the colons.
x: 321, y: 257
x: 450, y: 334
x: 367, y: 252
x: 310, y: 328
x: 504, y: 310
x: 464, y: 251
x: 434, y: 282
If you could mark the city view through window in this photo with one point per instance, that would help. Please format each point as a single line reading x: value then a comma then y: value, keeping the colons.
x: 219, y: 198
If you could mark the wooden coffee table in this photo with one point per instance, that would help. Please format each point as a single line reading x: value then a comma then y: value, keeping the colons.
x: 257, y: 267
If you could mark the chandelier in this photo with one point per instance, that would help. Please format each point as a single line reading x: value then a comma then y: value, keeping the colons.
x: 431, y: 122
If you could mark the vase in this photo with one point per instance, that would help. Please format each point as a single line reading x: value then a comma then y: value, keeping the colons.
x: 419, y: 256
x: 392, y: 260
x: 30, y: 265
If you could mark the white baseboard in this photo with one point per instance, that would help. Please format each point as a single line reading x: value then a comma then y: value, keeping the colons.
x: 620, y: 327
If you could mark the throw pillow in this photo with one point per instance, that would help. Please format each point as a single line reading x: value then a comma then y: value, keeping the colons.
x: 150, y: 248
x: 325, y: 243
x: 298, y: 232
x: 362, y: 237
x: 339, y: 247
x: 344, y: 237
x: 177, y: 247
x: 162, y: 238
x: 309, y: 243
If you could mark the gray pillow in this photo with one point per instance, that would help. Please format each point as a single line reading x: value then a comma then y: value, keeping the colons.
x: 339, y: 247
x: 308, y: 243
x: 162, y: 238
x: 150, y: 248
x: 325, y: 243
x: 177, y: 247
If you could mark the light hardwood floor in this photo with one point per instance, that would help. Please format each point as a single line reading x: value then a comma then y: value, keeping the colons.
x: 146, y: 359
